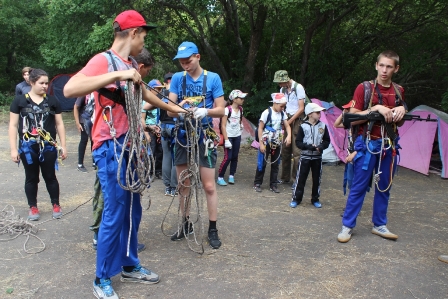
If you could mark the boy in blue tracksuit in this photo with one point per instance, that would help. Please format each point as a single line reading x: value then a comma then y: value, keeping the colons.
x: 312, y: 139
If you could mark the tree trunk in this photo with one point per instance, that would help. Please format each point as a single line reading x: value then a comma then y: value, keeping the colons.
x: 319, y: 20
x: 255, y: 40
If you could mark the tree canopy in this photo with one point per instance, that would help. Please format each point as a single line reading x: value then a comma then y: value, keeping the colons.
x: 329, y: 46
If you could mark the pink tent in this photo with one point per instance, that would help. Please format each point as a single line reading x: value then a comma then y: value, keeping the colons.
x: 338, y: 136
x: 417, y: 139
x: 248, y: 131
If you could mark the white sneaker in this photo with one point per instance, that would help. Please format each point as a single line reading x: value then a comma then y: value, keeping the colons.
x: 384, y: 232
x: 345, y: 234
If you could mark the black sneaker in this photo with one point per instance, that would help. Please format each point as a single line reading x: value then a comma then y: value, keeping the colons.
x: 257, y: 187
x: 177, y: 236
x: 94, y: 166
x: 82, y: 168
x: 213, y: 239
x: 274, y: 189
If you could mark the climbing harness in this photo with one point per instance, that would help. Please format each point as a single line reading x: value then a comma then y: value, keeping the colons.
x: 33, y: 119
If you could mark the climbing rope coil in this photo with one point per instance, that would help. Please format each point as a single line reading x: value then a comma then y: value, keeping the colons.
x: 376, y: 176
x: 190, y: 187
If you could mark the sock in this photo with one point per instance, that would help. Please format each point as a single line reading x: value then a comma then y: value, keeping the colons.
x: 220, y: 178
x: 212, y: 225
x: 97, y: 280
x: 128, y: 268
x: 79, y: 165
x: 230, y: 176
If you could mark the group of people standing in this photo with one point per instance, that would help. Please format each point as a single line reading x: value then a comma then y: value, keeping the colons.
x: 290, y: 129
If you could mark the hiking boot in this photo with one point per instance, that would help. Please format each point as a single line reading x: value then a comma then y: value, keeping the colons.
x: 82, y: 168
x: 167, y: 191
x: 384, y: 232
x: 33, y: 215
x: 317, y: 204
x: 443, y: 258
x: 95, y: 240
x: 257, y: 187
x: 213, y: 239
x: 104, y: 290
x: 177, y: 236
x: 345, y: 234
x: 140, y: 274
x: 231, y: 180
x: 274, y: 189
x: 57, y: 212
x: 140, y: 247
x: 221, y: 182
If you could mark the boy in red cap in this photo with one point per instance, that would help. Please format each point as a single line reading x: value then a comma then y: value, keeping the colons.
x: 105, y: 75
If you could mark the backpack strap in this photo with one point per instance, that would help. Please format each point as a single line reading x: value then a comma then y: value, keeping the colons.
x: 204, y: 86
x: 184, y: 84
x: 399, y: 97
x: 268, y: 119
x: 115, y: 96
x: 368, y: 94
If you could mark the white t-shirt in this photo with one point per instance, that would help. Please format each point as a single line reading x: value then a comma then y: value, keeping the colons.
x: 233, y: 125
x: 293, y: 98
x: 276, y: 120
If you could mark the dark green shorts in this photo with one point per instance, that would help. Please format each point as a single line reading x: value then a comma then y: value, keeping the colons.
x: 209, y: 161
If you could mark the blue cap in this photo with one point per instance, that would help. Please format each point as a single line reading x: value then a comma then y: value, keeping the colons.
x: 155, y: 83
x: 186, y: 49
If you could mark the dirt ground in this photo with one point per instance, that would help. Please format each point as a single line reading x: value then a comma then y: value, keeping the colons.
x: 269, y: 250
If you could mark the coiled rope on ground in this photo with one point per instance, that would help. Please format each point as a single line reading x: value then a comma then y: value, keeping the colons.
x: 14, y: 226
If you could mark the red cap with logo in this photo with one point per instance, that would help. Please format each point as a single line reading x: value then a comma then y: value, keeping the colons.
x: 131, y: 19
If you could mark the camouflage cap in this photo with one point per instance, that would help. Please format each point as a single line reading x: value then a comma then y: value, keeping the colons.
x: 281, y: 76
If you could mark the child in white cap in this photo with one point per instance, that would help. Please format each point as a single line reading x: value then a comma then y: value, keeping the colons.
x: 270, y: 140
x: 312, y: 139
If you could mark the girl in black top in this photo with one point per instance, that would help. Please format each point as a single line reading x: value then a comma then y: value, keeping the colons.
x: 37, y: 118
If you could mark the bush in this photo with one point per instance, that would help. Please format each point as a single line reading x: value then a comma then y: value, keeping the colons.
x: 6, y: 98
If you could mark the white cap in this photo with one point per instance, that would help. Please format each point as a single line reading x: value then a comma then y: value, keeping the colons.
x: 312, y: 107
x: 278, y: 98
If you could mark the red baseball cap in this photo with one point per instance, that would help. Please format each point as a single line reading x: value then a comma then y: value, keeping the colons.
x: 131, y: 19
x: 348, y: 105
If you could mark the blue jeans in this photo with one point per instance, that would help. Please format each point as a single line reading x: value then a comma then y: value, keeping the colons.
x: 230, y: 156
x: 117, y: 215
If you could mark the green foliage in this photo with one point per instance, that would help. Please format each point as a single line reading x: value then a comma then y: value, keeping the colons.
x: 329, y: 46
x: 6, y: 99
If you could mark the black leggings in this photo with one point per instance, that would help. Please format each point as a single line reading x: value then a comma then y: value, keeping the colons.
x: 48, y: 173
x: 83, y: 145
